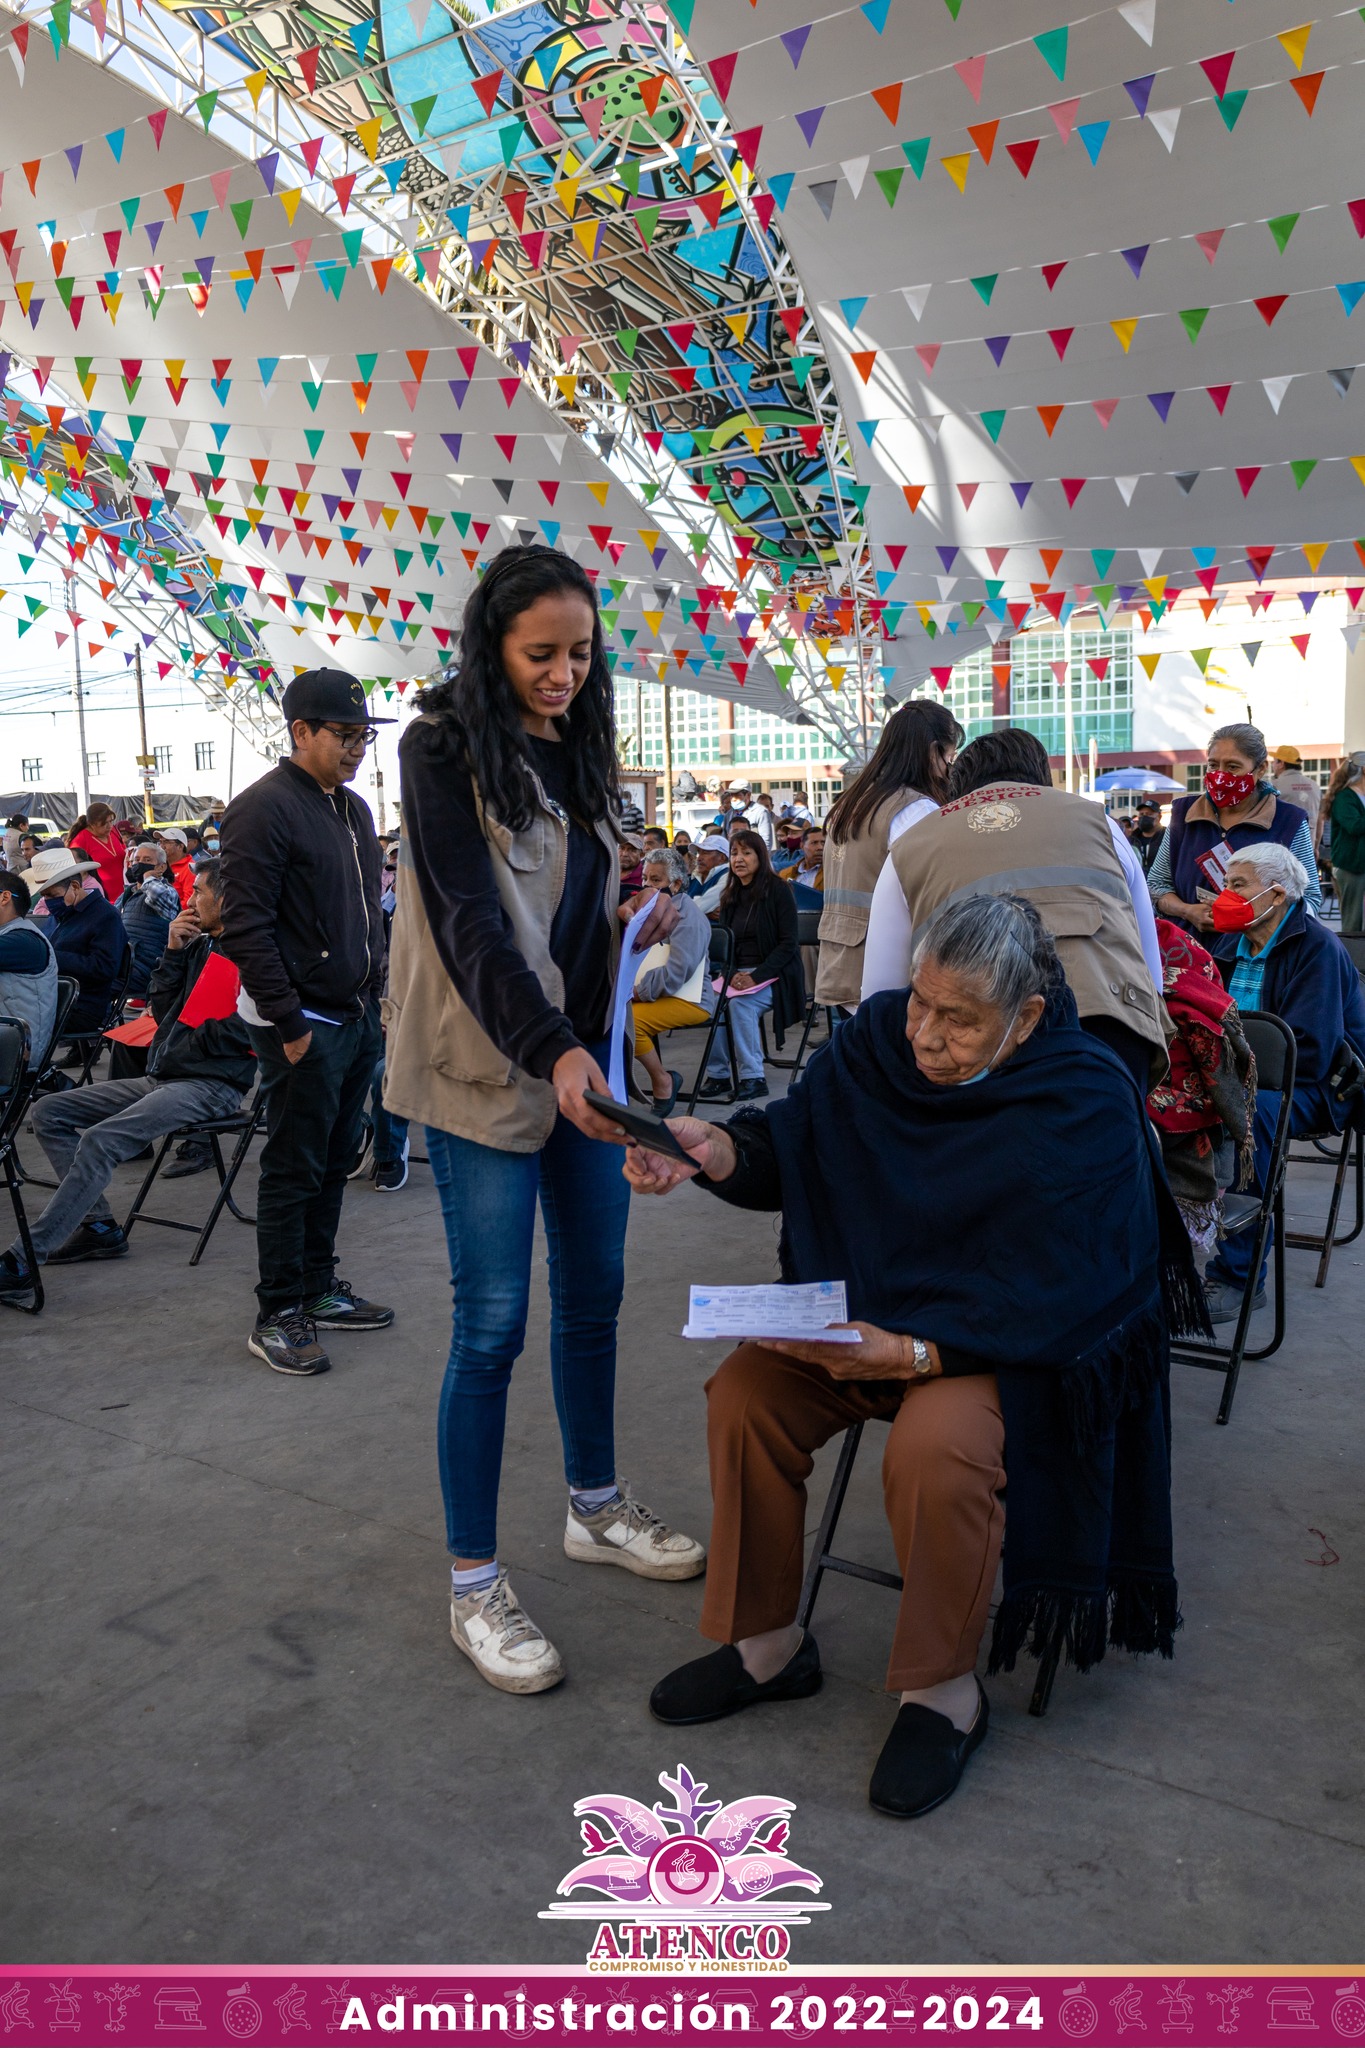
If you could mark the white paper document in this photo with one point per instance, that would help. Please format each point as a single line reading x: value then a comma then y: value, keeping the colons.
x: 800, y: 1312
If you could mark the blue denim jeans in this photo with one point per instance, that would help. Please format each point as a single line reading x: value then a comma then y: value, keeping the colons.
x: 1312, y: 1114
x: 488, y: 1200
x: 390, y: 1132
x: 743, y: 1014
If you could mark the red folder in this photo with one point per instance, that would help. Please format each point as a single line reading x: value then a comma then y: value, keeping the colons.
x: 140, y: 1031
x: 214, y: 994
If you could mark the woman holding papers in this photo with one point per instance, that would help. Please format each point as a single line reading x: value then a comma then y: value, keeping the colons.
x: 760, y: 911
x: 504, y: 957
x: 981, y: 1174
x: 672, y: 989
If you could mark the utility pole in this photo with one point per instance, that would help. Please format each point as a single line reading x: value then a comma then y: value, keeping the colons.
x: 78, y: 697
x: 1069, y: 725
x: 668, y: 762
x: 145, y: 761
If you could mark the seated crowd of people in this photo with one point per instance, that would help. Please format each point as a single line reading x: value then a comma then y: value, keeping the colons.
x: 1009, y: 977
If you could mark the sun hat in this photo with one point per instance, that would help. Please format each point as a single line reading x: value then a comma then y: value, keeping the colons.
x: 55, y: 865
x: 1289, y: 755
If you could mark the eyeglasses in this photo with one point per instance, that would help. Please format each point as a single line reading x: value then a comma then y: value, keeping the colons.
x: 353, y: 735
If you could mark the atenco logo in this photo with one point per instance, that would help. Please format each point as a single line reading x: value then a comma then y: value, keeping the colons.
x: 692, y: 1884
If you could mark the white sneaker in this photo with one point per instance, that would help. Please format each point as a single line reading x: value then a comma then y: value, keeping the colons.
x: 501, y: 1641
x: 364, y: 1166
x: 625, y: 1532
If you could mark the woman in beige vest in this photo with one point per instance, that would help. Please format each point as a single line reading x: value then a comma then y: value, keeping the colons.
x: 505, y: 950
x: 906, y: 780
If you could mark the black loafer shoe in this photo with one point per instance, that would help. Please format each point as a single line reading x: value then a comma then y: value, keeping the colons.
x: 670, y: 1103
x: 714, y: 1091
x: 711, y: 1687
x: 923, y: 1760
x: 751, y: 1091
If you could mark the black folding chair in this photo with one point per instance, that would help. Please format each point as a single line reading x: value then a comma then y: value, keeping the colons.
x: 1338, y: 1152
x: 1272, y: 1042
x: 721, y: 961
x: 16, y: 1086
x: 68, y: 988
x: 243, y: 1127
x: 90, y: 1044
x: 808, y: 934
x: 824, y: 1559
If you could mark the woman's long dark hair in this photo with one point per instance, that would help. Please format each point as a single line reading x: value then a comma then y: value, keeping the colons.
x: 476, y: 696
x: 904, y: 759
x: 764, y: 882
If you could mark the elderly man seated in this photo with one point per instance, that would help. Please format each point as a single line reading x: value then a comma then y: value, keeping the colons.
x: 1273, y: 956
x: 1014, y: 1262
x: 194, y: 1071
x: 673, y: 986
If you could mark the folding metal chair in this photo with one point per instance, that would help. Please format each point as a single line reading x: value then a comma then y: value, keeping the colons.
x: 1272, y: 1042
x: 91, y: 1043
x: 823, y: 1559
x: 721, y: 959
x: 17, y: 1075
x: 808, y: 934
x: 243, y: 1127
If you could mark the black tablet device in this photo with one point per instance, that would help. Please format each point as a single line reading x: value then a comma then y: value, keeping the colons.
x: 645, y: 1129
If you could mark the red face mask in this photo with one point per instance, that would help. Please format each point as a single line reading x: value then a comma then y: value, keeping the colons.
x: 1224, y: 790
x: 1233, y: 913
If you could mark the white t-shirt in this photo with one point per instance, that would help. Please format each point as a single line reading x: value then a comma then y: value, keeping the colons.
x: 891, y: 936
x: 761, y: 819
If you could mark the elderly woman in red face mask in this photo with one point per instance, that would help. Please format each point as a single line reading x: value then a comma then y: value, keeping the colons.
x: 1237, y: 808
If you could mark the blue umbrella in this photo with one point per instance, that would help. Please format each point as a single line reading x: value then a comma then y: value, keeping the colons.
x: 1138, y: 778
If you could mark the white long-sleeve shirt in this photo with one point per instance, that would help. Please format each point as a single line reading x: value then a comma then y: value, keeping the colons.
x: 891, y: 936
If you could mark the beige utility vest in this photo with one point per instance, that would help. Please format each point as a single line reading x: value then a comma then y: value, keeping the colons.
x: 851, y: 870
x: 440, y: 1065
x: 1013, y: 839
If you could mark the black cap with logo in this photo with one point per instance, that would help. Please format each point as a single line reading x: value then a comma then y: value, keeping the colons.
x: 329, y: 694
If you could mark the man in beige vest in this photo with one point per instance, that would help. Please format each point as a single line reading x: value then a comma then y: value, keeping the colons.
x: 1007, y: 831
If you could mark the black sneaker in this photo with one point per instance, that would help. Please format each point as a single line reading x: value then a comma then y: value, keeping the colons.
x: 714, y: 1091
x: 194, y: 1156
x: 751, y: 1091
x: 15, y: 1277
x: 343, y: 1309
x: 91, y: 1241
x: 288, y: 1343
x: 388, y: 1179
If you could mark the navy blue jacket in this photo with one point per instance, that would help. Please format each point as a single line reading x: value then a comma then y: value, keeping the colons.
x: 88, y: 939
x: 1311, y: 982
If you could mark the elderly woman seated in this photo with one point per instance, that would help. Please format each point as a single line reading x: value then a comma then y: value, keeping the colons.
x: 1273, y: 956
x: 673, y: 986
x: 981, y: 1173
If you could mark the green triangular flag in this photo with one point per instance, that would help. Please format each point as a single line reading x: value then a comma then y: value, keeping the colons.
x: 917, y: 153
x: 993, y: 422
x: 890, y: 182
x: 1230, y: 107
x: 1302, y: 471
x: 510, y: 139
x: 1192, y: 319
x: 646, y: 220
x: 422, y: 111
x: 240, y: 209
x: 629, y: 175
x: 365, y: 364
x: 1051, y: 47
x: 984, y: 286
x: 204, y: 106
x: 1200, y: 657
x: 682, y: 12
x: 313, y: 436
x: 1282, y: 227
x: 628, y: 340
x: 128, y: 208
x: 620, y: 383
x: 351, y: 244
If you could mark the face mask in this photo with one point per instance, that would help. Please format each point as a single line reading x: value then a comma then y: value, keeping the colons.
x: 989, y: 1067
x: 1224, y: 790
x: 1233, y: 913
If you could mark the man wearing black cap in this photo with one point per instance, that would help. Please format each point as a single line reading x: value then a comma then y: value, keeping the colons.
x: 1148, y: 832
x: 302, y: 923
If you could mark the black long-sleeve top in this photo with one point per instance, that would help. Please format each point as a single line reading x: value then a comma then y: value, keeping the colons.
x: 471, y: 930
x: 756, y: 1183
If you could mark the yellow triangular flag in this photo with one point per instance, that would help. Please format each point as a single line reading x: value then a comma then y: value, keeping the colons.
x: 649, y: 535
x: 567, y: 387
x: 256, y: 85
x: 957, y: 168
x: 1125, y: 330
x: 1294, y: 41
x: 1358, y: 465
x: 653, y: 620
x: 1149, y: 662
x: 754, y: 437
x: 585, y: 234
x: 836, y: 675
x: 290, y: 202
x: 367, y: 134
x: 738, y: 324
x: 566, y: 192
x: 175, y: 368
x: 1313, y: 552
x: 1155, y: 587
x: 599, y: 491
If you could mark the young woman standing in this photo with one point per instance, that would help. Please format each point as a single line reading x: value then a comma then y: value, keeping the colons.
x: 96, y: 837
x: 905, y: 780
x: 760, y: 911
x: 504, y: 955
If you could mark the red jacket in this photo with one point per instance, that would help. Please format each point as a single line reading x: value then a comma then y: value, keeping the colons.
x: 109, y: 856
x: 181, y: 874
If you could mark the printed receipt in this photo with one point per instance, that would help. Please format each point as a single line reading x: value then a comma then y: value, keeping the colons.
x: 804, y: 1311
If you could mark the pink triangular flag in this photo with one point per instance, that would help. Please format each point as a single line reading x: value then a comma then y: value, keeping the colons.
x: 1209, y: 241
x: 927, y: 351
x: 1064, y: 115
x: 996, y: 558
x: 967, y: 492
x: 220, y: 180
x: 971, y: 71
x: 1103, y: 409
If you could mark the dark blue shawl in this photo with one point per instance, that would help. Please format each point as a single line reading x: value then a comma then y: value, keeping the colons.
x: 1024, y: 1219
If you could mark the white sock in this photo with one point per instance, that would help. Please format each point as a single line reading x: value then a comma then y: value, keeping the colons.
x: 477, y: 1579
x: 957, y: 1698
x: 587, y: 1500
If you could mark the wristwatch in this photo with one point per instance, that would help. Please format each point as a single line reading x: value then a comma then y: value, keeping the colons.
x: 923, y: 1363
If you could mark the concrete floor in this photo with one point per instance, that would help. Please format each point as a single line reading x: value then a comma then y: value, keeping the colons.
x: 236, y: 1728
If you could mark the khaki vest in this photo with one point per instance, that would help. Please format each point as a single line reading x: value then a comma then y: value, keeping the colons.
x: 851, y: 870
x: 440, y: 1066
x: 1019, y: 840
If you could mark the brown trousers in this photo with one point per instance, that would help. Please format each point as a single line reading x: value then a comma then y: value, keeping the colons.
x: 942, y: 1475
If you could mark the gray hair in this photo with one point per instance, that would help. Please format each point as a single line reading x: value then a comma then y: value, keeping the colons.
x: 998, y: 942
x: 671, y: 861
x: 1248, y: 740
x: 1276, y: 865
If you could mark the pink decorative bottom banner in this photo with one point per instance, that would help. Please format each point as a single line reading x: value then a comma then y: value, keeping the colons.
x: 755, y: 1995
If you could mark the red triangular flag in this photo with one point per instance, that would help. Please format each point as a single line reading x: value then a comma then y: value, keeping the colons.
x: 1216, y: 70
x: 486, y: 90
x: 723, y: 72
x: 1051, y: 273
x: 1021, y: 154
